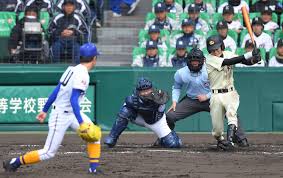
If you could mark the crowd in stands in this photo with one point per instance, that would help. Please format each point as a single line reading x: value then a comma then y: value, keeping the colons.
x: 44, y: 31
x: 176, y: 26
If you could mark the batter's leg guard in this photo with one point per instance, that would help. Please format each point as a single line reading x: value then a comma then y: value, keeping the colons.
x: 240, y: 136
x: 171, y: 140
x: 223, y: 144
x: 231, y: 130
x: 118, y: 127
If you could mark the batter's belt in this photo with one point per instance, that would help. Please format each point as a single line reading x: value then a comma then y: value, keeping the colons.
x: 224, y: 90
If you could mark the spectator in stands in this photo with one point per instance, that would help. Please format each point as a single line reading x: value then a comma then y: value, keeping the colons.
x: 204, y: 7
x: 42, y: 5
x: 11, y: 5
x: 96, y: 8
x: 266, y: 16
x: 179, y: 60
x: 236, y: 4
x: 151, y: 58
x: 222, y: 29
x: 188, y: 36
x: 81, y: 7
x: 274, y: 5
x: 262, y: 39
x: 116, y: 9
x: 154, y: 35
x: 249, y: 47
x: 200, y: 24
x: 18, y: 45
x: 66, y: 30
x: 228, y: 15
x: 277, y: 60
x: 172, y: 7
x: 161, y: 20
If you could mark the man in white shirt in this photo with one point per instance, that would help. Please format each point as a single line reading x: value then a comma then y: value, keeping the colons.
x: 277, y: 60
x: 237, y: 5
x: 263, y: 40
x: 229, y: 42
x: 266, y: 16
x: 228, y: 15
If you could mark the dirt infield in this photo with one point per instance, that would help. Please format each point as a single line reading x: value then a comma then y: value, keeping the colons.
x: 134, y: 157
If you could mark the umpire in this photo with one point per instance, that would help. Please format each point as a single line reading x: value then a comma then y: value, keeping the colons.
x: 195, y: 78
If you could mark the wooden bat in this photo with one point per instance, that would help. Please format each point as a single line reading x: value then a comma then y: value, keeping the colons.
x: 247, y: 22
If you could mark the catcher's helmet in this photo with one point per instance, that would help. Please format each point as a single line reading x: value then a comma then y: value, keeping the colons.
x: 143, y: 84
x: 214, y: 42
x: 195, y: 55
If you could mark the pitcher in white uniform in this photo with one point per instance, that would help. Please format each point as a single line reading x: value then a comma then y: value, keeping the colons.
x: 65, y: 113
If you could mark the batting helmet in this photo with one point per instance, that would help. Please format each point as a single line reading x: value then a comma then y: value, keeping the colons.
x: 195, y: 55
x: 214, y: 42
x: 87, y: 52
x: 143, y: 84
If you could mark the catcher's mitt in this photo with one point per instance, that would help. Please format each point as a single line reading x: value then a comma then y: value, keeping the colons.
x: 89, y: 132
x: 158, y: 96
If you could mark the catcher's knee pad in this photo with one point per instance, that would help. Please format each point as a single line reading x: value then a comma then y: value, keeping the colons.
x: 171, y: 140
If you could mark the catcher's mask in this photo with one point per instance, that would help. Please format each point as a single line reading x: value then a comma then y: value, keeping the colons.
x: 195, y: 60
x: 144, y: 88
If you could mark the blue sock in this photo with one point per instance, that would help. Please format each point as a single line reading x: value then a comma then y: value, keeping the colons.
x: 93, y: 166
x: 16, y: 162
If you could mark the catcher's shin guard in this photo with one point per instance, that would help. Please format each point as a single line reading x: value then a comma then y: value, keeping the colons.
x: 118, y: 127
x: 231, y: 130
x: 171, y: 140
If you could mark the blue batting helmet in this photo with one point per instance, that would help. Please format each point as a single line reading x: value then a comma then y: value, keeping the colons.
x: 143, y: 84
x: 88, y: 50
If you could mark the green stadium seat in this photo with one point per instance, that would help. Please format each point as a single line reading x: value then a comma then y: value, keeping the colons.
x: 7, y: 22
x: 240, y: 51
x: 44, y: 19
x: 272, y: 52
x: 278, y: 35
x: 156, y: 1
x: 170, y: 51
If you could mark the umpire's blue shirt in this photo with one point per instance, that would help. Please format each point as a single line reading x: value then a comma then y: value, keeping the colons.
x: 195, y: 83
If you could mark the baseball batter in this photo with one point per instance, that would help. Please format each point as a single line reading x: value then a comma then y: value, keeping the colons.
x: 146, y: 108
x: 224, y: 98
x: 66, y: 113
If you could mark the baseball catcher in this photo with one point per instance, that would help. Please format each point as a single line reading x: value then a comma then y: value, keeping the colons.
x: 146, y: 108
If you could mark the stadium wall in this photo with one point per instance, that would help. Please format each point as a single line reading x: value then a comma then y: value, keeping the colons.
x: 260, y: 89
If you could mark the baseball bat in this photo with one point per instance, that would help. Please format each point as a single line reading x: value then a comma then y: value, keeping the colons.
x: 247, y: 22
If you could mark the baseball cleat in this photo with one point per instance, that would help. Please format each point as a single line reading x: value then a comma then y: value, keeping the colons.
x: 157, y: 143
x: 243, y: 143
x: 9, y: 167
x: 110, y: 142
x: 225, y: 145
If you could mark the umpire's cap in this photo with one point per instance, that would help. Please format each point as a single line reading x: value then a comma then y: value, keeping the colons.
x: 214, y: 42
x: 193, y: 8
x: 159, y: 7
x: 88, y: 51
x: 228, y: 10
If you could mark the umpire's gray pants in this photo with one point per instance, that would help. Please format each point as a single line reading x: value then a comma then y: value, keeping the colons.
x: 187, y: 107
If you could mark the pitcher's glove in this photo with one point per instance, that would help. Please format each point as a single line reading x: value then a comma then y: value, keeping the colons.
x: 89, y: 132
x: 158, y: 96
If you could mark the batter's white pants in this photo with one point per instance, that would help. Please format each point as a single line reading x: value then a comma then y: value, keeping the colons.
x: 58, y: 123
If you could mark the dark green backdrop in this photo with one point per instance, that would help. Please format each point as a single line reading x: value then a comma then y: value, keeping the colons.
x: 260, y: 89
